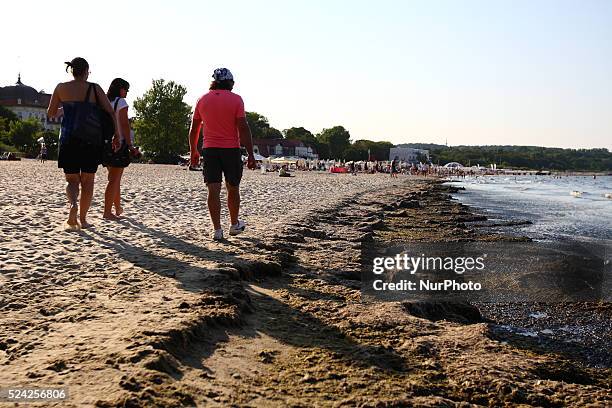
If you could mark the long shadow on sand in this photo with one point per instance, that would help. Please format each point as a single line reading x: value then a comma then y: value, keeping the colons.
x: 273, y: 317
x: 296, y: 328
x: 187, y: 274
x: 175, y: 243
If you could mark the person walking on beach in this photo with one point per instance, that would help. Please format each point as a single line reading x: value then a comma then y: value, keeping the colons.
x: 43, y: 152
x: 221, y: 112
x: 77, y: 158
x: 394, y: 167
x: 120, y: 159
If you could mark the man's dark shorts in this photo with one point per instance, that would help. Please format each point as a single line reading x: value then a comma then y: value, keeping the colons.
x: 217, y: 160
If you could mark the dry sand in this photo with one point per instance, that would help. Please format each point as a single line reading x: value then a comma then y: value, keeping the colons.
x: 149, y: 311
x: 72, y: 301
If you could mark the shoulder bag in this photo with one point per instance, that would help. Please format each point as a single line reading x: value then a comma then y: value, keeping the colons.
x: 92, y: 125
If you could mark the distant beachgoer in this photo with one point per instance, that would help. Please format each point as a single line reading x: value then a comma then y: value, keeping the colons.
x: 394, y: 167
x: 78, y: 159
x: 120, y: 159
x: 43, y: 152
x: 225, y: 129
x: 283, y: 172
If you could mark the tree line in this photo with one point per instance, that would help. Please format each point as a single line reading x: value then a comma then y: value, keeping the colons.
x: 22, y: 135
x: 521, y: 157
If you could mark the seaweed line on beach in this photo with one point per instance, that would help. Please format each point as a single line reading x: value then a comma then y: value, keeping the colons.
x: 308, y: 339
x: 156, y: 317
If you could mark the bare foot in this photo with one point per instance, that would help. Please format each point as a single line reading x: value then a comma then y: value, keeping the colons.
x: 71, y: 227
x: 72, y: 216
x: 110, y: 216
x: 118, y: 211
x: 85, y: 224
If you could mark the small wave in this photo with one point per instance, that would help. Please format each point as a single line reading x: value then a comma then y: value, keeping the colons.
x: 519, y: 188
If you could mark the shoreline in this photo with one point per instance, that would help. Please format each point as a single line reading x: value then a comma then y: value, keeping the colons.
x: 274, y: 318
x: 579, y: 330
x: 551, y: 210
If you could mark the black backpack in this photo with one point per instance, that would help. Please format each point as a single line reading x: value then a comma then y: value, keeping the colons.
x: 92, y: 125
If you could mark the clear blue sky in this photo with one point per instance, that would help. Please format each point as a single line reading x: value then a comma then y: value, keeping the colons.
x: 475, y: 72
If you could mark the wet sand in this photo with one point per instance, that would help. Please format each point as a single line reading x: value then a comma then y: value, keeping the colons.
x: 149, y: 311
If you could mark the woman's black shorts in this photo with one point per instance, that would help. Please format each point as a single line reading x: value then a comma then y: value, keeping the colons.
x: 77, y: 158
x: 120, y: 158
x: 217, y: 160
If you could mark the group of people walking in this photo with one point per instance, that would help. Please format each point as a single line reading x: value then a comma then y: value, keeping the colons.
x: 80, y: 159
x: 219, y: 112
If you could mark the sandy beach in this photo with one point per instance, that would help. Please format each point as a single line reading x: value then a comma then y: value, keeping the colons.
x: 149, y: 311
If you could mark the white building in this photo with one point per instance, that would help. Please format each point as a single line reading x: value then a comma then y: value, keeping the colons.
x: 407, y: 154
x: 26, y: 102
x: 284, y: 147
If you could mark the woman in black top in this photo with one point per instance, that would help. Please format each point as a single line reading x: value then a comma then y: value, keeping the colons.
x: 79, y: 160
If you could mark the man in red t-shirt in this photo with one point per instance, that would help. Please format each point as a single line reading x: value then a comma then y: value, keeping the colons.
x: 225, y: 127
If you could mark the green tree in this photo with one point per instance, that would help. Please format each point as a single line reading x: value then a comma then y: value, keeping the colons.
x: 526, y: 157
x: 272, y: 133
x: 260, y: 127
x: 323, y: 151
x: 337, y: 138
x: 378, y: 150
x: 4, y: 127
x: 23, y: 134
x: 51, y: 138
x: 6, y: 117
x: 162, y: 121
x: 8, y: 114
x: 353, y: 153
x: 306, y: 137
x: 299, y: 133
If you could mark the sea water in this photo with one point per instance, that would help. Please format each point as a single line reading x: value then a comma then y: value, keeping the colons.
x: 581, y: 222
x: 573, y: 207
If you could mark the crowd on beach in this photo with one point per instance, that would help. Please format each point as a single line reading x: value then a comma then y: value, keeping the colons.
x: 391, y: 167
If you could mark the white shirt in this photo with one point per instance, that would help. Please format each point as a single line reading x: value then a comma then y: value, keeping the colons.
x: 122, y: 104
